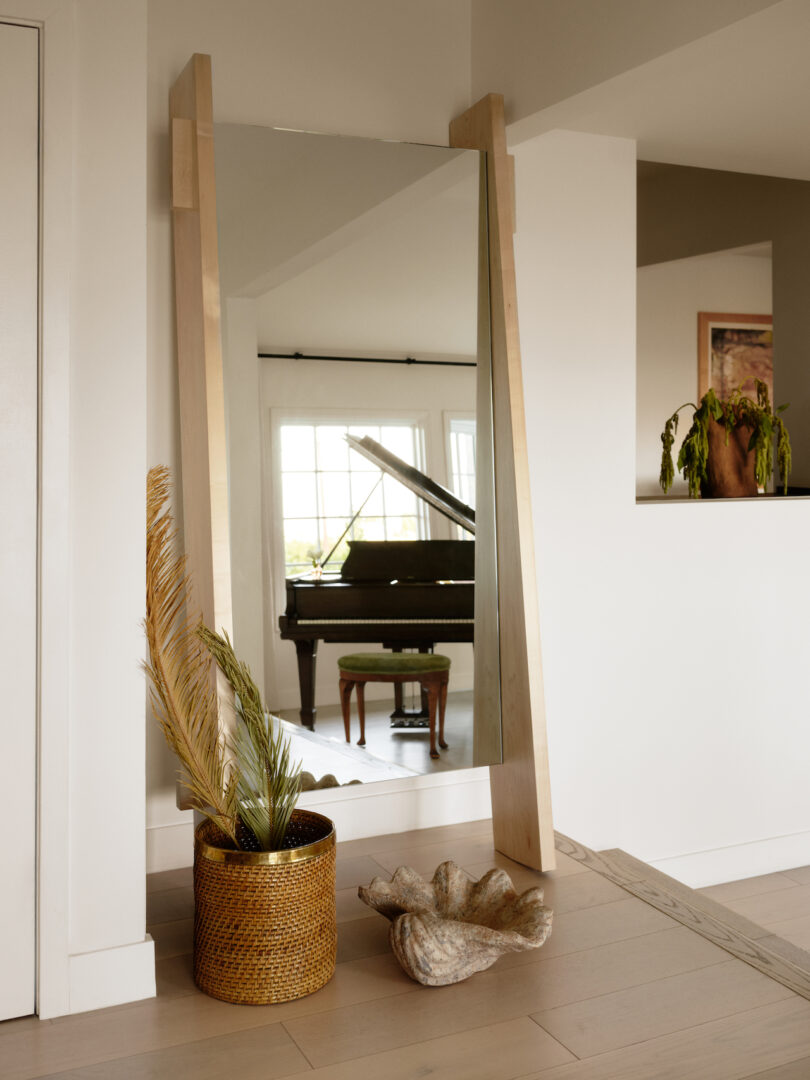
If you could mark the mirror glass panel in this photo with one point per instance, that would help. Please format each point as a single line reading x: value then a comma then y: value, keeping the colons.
x: 358, y: 408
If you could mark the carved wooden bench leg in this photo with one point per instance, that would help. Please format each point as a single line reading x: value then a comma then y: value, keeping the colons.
x: 361, y: 710
x: 442, y: 707
x: 433, y: 699
x: 345, y: 687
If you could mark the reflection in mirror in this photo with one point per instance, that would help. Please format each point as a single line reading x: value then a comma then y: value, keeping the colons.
x: 353, y: 362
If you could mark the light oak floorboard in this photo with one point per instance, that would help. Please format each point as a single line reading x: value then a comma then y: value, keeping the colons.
x: 174, y: 977
x: 473, y: 850
x: 439, y: 834
x: 794, y: 930
x: 172, y: 939
x: 774, y: 907
x: 169, y: 879
x: 800, y: 874
x: 426, y: 857
x: 357, y: 871
x: 264, y: 1053
x: 736, y: 890
x: 587, y: 928
x: 349, y: 905
x: 568, y: 893
x: 733, y: 1048
x: 666, y: 1005
x: 788, y: 945
x: 499, y: 994
x: 159, y: 1024
x: 501, y: 1051
x: 363, y: 937
x: 793, y: 1070
x: 170, y: 905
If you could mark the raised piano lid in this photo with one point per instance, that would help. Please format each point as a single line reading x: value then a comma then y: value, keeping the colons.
x: 416, y: 481
x: 409, y: 561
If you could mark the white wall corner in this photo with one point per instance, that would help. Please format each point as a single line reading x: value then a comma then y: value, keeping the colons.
x: 699, y: 869
x: 169, y: 847
x: 112, y: 976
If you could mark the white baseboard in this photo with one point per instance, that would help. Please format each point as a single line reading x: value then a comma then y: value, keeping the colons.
x: 393, y: 806
x: 700, y: 869
x: 112, y: 976
x: 169, y: 847
x: 389, y: 806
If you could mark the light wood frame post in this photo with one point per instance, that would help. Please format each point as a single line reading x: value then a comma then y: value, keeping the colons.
x: 199, y: 345
x: 206, y: 531
x: 521, y: 794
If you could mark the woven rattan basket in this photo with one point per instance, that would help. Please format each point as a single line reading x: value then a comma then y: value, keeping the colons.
x: 265, y: 927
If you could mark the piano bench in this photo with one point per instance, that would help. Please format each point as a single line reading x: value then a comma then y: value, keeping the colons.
x: 430, y: 670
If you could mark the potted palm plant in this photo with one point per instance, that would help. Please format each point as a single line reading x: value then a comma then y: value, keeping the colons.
x: 264, y: 872
x: 728, y: 450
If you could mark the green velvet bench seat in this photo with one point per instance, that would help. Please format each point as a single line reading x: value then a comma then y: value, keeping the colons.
x: 430, y: 670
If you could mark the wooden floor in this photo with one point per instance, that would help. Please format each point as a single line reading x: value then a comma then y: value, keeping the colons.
x: 621, y: 991
x: 779, y: 902
x: 408, y: 748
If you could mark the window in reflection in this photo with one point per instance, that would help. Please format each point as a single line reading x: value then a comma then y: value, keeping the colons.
x: 461, y: 455
x: 324, y: 485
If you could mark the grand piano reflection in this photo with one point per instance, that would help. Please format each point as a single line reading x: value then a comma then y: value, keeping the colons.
x: 401, y: 594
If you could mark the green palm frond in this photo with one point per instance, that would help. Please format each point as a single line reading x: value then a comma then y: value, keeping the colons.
x: 183, y: 691
x: 268, y: 785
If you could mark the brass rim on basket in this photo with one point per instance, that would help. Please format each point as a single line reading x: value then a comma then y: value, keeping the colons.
x: 270, y: 858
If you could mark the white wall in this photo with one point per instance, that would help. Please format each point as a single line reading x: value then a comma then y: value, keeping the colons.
x: 673, y: 635
x: 670, y: 295
x: 537, y: 52
x: 365, y: 67
x: 93, y: 950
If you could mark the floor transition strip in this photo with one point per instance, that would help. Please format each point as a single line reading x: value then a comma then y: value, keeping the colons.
x: 753, y: 944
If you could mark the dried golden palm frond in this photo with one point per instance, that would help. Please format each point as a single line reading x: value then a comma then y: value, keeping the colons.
x: 268, y: 785
x: 183, y: 691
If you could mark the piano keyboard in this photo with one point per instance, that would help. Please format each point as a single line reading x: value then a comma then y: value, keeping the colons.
x: 384, y: 622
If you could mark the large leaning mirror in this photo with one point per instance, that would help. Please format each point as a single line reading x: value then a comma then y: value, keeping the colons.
x: 358, y: 416
x: 337, y: 456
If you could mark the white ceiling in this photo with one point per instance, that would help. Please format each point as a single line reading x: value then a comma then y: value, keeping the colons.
x: 286, y: 200
x: 738, y: 100
x: 350, y: 246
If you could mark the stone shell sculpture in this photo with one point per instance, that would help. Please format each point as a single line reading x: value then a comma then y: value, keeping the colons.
x: 444, y: 930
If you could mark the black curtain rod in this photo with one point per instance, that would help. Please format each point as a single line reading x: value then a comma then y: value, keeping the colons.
x: 362, y: 359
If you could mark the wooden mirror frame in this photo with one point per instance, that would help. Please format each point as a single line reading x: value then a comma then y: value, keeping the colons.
x: 521, y: 799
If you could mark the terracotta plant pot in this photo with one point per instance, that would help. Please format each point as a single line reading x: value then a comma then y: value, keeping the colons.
x: 730, y: 468
x: 265, y: 926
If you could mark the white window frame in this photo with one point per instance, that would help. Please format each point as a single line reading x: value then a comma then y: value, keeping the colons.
x: 457, y: 421
x: 271, y: 478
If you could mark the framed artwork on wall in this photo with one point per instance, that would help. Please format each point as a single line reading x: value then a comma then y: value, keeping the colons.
x: 732, y: 350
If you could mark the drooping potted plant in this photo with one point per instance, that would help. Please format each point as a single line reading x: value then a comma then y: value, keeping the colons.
x: 265, y: 926
x: 728, y: 450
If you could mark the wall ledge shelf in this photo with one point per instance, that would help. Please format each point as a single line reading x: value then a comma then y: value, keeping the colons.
x: 794, y: 495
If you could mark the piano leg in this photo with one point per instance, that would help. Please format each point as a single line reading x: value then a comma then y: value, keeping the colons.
x: 307, y: 652
x: 407, y: 718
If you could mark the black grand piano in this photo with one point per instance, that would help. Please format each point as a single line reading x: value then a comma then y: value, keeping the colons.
x: 398, y: 593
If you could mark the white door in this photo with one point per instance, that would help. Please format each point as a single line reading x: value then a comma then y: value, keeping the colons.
x: 19, y: 228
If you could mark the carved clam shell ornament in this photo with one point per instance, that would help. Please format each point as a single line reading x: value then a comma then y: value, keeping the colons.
x: 444, y: 930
